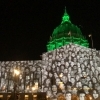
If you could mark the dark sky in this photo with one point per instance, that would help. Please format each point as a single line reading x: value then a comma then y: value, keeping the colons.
x: 25, y: 26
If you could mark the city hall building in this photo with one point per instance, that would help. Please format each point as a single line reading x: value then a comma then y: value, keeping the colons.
x: 69, y: 70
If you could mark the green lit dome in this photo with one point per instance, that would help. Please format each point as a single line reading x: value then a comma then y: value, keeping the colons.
x: 66, y: 33
x: 64, y: 29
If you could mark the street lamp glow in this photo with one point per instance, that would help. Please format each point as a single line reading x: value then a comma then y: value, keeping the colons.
x: 28, y: 88
x: 33, y: 88
x: 16, y: 72
x: 61, y: 85
x: 61, y: 75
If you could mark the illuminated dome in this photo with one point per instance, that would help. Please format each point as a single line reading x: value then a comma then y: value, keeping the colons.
x: 66, y: 33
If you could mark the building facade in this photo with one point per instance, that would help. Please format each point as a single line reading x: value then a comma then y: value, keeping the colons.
x: 70, y: 70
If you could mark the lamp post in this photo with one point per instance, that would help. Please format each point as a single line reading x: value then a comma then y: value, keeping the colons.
x: 33, y: 90
x: 90, y: 35
x: 16, y: 74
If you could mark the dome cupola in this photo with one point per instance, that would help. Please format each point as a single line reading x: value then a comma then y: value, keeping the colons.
x: 66, y: 33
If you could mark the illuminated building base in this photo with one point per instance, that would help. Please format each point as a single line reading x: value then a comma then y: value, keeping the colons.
x: 71, y: 71
x: 74, y: 71
x: 23, y: 96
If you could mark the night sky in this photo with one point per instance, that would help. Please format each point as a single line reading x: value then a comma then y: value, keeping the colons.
x: 25, y: 27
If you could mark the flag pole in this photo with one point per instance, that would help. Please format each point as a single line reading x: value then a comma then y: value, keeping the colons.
x: 70, y: 36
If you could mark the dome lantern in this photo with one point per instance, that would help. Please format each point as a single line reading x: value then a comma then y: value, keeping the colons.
x: 65, y: 17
